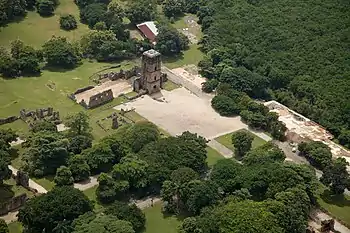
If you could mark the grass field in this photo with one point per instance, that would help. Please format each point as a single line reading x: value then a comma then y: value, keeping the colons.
x: 336, y: 205
x: 227, y: 141
x: 169, y: 85
x: 156, y: 222
x: 33, y: 92
x: 15, y: 227
x: 36, y: 30
x: 47, y: 182
x: 191, y: 56
x: 213, y: 156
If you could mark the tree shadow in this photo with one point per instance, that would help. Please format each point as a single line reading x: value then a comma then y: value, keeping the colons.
x: 6, y: 192
x: 338, y: 200
x: 59, y: 69
x: 175, y: 58
x: 14, y: 153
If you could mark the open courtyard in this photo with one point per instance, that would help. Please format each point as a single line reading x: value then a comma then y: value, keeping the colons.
x: 179, y: 110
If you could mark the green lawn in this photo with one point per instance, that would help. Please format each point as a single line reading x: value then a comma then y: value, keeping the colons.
x: 91, y: 194
x: 191, y: 56
x: 35, y: 30
x: 213, y: 156
x: 15, y: 227
x: 31, y: 93
x: 226, y: 140
x: 47, y: 182
x: 336, y: 205
x: 169, y: 85
x: 156, y: 222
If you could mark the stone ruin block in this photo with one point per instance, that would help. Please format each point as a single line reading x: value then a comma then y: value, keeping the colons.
x: 8, y: 120
x: 49, y: 111
x: 22, y: 179
x: 115, y: 123
x: 327, y: 225
x: 100, y: 98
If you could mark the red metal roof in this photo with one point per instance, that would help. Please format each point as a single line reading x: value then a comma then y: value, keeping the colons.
x: 147, y: 32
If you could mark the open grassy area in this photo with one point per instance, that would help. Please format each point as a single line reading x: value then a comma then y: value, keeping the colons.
x: 91, y: 194
x: 227, y: 141
x: 47, y: 182
x: 336, y: 205
x: 213, y: 156
x: 156, y: 222
x: 191, y: 56
x: 169, y: 85
x: 15, y: 227
x: 31, y: 93
x: 36, y: 30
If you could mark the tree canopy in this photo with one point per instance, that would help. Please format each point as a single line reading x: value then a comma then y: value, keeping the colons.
x: 45, y: 212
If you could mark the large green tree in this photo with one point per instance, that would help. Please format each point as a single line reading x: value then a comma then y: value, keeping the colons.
x: 127, y: 212
x: 170, y: 41
x: 141, y: 11
x: 242, y: 140
x: 45, y: 212
x: 63, y: 176
x: 79, y: 168
x: 59, y: 52
x: 336, y: 176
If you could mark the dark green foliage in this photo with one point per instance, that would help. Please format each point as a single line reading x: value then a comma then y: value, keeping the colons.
x: 45, y: 152
x: 116, y: 50
x: 336, y: 176
x: 266, y: 153
x: 10, y: 9
x: 344, y: 138
x: 225, y: 173
x: 93, y: 13
x: 210, y: 85
x: 225, y: 106
x: 79, y: 143
x: 171, y: 153
x: 68, y: 22
x: 172, y: 8
x: 192, y: 6
x: 170, y: 41
x: 140, y: 134
x: 141, y: 11
x: 43, y: 126
x: 283, y: 55
x: 110, y: 190
x: 3, y: 227
x: 63, y: 176
x: 5, y: 172
x: 100, y: 26
x: 102, y: 224
x: 242, y: 140
x: 47, y: 211
x: 79, y: 168
x: 183, y: 175
x: 130, y: 213
x: 317, y: 153
x: 59, y: 52
x: 78, y: 125
x: 133, y: 170
x: 45, y: 7
x: 100, y: 158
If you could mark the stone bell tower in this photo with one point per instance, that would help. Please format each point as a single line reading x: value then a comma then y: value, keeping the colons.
x: 151, y: 78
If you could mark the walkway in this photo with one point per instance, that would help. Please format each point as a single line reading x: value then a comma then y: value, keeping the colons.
x: 223, y: 150
x: 84, y: 185
x: 32, y: 183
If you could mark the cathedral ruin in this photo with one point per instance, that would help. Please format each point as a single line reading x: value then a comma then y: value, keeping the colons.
x: 151, y: 78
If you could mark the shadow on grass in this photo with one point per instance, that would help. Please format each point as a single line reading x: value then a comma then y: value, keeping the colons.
x: 174, y: 58
x: 60, y: 69
x: 6, y: 193
x: 180, y: 217
x: 338, y: 200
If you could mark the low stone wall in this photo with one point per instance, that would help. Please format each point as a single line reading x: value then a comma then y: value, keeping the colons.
x: 100, y: 98
x: 8, y: 120
x: 13, y: 204
x: 80, y: 90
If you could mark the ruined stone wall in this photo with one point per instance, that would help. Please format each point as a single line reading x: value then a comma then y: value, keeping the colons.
x: 80, y: 90
x: 8, y: 120
x: 13, y: 204
x: 100, y: 98
x: 122, y: 74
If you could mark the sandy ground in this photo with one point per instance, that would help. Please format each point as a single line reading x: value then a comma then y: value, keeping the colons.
x: 118, y: 87
x: 182, y: 111
x: 86, y: 184
x: 197, y: 80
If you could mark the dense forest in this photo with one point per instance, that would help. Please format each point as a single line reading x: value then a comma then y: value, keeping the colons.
x: 296, y: 52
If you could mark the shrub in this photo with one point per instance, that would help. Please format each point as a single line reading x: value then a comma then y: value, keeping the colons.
x: 68, y: 22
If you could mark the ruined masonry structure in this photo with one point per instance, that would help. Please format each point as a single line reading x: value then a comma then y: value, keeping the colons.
x: 151, y: 76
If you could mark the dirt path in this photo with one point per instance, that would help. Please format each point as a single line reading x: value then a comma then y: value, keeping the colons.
x: 84, y: 185
x: 317, y: 216
x: 223, y: 150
